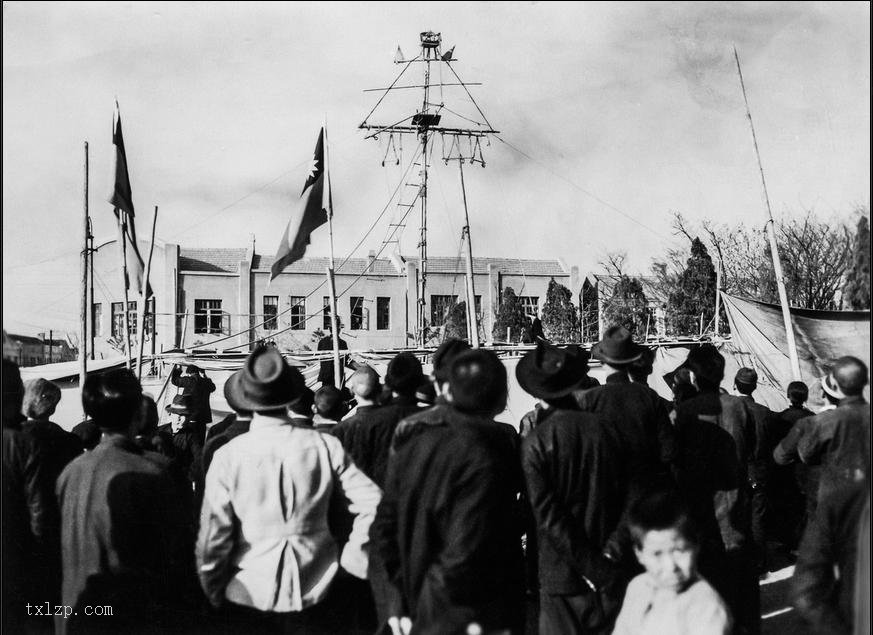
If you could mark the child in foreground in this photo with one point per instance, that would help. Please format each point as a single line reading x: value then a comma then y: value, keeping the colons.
x: 670, y: 597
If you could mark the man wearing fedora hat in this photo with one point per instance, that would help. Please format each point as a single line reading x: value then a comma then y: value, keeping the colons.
x: 576, y: 482
x: 265, y: 553
x: 715, y: 437
x: 633, y: 409
x: 235, y: 424
x: 839, y: 439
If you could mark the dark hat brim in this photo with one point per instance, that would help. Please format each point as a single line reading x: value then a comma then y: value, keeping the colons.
x: 529, y: 379
x: 598, y: 354
x: 232, y: 389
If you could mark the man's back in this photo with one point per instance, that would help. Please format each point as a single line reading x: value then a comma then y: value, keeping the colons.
x: 124, y: 529
x: 447, y: 529
x: 264, y: 538
x: 367, y: 435
x: 641, y: 422
x: 576, y: 479
x: 839, y: 440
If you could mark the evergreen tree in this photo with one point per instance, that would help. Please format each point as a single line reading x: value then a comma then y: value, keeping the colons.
x: 627, y: 306
x: 856, y: 292
x: 589, y: 311
x: 695, y: 292
x: 560, y: 323
x: 510, y: 316
x: 456, y: 322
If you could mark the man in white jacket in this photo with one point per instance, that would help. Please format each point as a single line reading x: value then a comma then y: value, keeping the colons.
x: 265, y: 553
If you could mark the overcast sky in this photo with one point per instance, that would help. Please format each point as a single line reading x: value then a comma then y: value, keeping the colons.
x: 621, y: 112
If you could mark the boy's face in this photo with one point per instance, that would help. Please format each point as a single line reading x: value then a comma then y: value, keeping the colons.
x: 668, y: 557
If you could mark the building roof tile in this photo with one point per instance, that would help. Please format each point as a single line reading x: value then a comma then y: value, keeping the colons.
x: 221, y: 260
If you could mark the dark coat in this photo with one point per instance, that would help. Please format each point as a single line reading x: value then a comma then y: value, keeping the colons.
x: 26, y: 521
x: 767, y: 428
x: 199, y: 388
x: 712, y: 441
x: 839, y: 440
x: 58, y: 448
x: 786, y: 453
x: 576, y: 483
x: 823, y: 598
x: 325, y: 371
x: 367, y: 434
x: 642, y: 423
x: 127, y: 540
x: 447, y: 530
x: 217, y: 428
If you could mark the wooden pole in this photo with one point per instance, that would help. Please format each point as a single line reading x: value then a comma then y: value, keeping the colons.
x: 124, y: 280
x: 92, y: 333
x: 774, y: 250
x: 471, y: 290
x: 83, y: 312
x: 717, y: 296
x: 338, y: 378
x: 142, y: 309
x: 184, y: 329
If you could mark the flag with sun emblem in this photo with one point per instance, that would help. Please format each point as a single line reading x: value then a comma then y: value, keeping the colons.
x: 311, y: 213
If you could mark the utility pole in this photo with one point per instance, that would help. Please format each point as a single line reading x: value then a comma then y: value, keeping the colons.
x: 464, y: 144
x: 83, y: 312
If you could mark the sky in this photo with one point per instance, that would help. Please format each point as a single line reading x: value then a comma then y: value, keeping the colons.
x: 611, y: 116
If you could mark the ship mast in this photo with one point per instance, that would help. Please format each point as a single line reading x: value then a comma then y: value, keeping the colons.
x: 464, y: 145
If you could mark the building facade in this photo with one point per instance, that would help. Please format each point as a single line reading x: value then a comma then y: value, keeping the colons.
x: 222, y: 299
x: 25, y: 350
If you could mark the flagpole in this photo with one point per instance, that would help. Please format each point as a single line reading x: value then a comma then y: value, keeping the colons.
x: 124, y: 281
x: 83, y: 313
x: 774, y: 250
x: 338, y: 379
x: 471, y: 290
x: 142, y: 309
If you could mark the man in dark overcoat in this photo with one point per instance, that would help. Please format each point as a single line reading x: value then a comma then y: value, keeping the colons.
x: 198, y: 386
x: 447, y: 528
x: 573, y: 463
x: 126, y: 539
x: 634, y: 410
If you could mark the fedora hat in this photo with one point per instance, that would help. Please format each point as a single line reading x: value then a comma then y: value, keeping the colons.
x: 617, y: 347
x: 181, y: 405
x: 705, y: 361
x: 265, y: 382
x: 548, y: 372
x: 829, y: 385
x: 231, y: 390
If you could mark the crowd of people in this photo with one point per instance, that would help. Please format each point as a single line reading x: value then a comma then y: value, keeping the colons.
x: 400, y: 505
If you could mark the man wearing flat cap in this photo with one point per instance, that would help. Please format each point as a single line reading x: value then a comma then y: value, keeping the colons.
x: 574, y: 464
x: 761, y: 463
x: 635, y: 411
x: 265, y: 553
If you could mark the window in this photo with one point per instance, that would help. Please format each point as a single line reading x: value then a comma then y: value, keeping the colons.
x: 326, y: 321
x: 131, y: 316
x: 477, y: 301
x: 356, y: 313
x: 118, y: 318
x: 298, y: 312
x: 440, y: 305
x: 383, y: 314
x: 271, y: 308
x: 207, y: 316
x: 150, y: 316
x: 96, y: 319
x: 530, y: 304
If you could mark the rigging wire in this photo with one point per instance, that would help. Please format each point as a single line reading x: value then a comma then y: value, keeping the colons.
x: 323, y: 282
x: 581, y: 189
